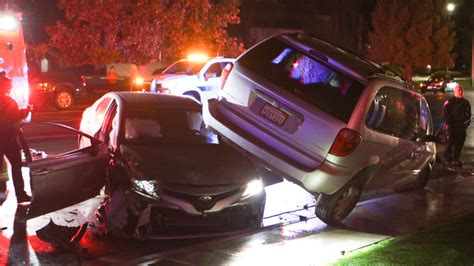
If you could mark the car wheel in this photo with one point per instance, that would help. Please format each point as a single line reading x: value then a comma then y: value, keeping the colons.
x: 194, y: 95
x: 332, y: 209
x: 424, y: 176
x: 63, y: 99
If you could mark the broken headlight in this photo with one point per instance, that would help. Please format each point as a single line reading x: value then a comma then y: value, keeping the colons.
x: 253, y: 188
x: 146, y: 187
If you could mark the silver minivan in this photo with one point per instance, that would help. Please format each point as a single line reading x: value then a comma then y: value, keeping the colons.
x: 328, y: 120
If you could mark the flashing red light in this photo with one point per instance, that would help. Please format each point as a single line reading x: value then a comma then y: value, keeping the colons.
x: 346, y: 142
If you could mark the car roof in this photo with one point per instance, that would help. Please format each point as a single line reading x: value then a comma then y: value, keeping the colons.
x: 349, y: 62
x: 147, y: 100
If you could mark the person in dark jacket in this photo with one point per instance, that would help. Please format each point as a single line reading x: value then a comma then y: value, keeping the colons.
x: 10, y: 116
x: 456, y: 117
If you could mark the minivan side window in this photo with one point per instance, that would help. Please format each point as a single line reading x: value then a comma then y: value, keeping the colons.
x: 396, y: 112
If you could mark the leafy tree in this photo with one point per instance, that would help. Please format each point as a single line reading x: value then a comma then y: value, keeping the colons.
x: 99, y: 32
x: 412, y: 34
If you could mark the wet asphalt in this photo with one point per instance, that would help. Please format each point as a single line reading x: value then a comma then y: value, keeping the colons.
x: 291, y: 233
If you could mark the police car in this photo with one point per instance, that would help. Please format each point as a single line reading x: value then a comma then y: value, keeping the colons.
x: 196, y: 76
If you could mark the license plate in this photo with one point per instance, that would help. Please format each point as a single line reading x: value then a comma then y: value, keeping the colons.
x: 273, y: 114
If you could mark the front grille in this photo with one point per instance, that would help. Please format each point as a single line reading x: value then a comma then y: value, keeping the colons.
x: 200, y: 202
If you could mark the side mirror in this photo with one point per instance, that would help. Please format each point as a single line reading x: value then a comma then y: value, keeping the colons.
x: 441, y: 138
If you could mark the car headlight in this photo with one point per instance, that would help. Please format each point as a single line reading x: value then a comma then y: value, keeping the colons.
x: 253, y: 188
x: 146, y: 187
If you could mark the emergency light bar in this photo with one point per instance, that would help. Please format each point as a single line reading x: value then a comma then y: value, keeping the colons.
x: 198, y: 57
x: 8, y: 23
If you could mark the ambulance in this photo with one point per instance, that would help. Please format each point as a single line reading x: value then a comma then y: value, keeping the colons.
x: 13, y: 57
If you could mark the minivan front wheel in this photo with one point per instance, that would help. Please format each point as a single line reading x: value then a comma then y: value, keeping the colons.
x: 332, y: 209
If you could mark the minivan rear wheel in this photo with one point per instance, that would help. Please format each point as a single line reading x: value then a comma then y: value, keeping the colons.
x: 332, y: 209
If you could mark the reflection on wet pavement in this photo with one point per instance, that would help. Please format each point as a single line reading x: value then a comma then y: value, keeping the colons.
x: 291, y: 229
x: 311, y: 242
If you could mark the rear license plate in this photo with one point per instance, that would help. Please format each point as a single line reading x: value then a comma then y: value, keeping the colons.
x: 273, y: 114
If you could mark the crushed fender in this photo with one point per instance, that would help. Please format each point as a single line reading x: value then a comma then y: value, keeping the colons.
x: 62, y: 237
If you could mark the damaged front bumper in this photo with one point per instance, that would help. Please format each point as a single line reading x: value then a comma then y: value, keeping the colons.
x: 177, y: 215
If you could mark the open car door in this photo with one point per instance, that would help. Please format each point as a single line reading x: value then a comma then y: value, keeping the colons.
x: 61, y: 175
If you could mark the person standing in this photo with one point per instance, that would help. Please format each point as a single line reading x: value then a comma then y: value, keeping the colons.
x: 112, y: 75
x: 456, y: 117
x: 10, y: 116
x: 3, y: 180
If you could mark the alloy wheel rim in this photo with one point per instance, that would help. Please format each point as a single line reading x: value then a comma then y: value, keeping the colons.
x: 64, y: 100
x: 346, y: 202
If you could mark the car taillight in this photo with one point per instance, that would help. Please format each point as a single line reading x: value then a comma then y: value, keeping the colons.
x: 138, y: 81
x: 225, y: 74
x: 346, y: 142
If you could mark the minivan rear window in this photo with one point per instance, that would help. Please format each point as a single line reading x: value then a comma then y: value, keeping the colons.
x: 302, y: 75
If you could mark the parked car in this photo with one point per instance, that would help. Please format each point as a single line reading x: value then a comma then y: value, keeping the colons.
x: 334, y: 123
x: 440, y: 81
x: 61, y: 90
x: 165, y: 174
x: 196, y: 77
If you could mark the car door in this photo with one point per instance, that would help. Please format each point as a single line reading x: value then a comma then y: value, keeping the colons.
x: 62, y: 176
x: 422, y: 151
x: 212, y: 79
x: 395, y: 122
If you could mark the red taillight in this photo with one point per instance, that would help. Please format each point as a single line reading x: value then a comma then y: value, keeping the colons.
x: 346, y: 142
x: 225, y: 74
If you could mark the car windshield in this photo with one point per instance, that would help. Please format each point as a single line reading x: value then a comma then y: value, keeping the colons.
x: 305, y: 77
x: 184, y: 68
x: 163, y: 126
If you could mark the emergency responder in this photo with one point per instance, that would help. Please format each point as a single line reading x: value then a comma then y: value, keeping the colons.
x: 10, y: 117
x: 3, y: 180
x: 456, y: 117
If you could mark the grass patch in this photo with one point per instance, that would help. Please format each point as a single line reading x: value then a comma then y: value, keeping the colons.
x: 447, y: 244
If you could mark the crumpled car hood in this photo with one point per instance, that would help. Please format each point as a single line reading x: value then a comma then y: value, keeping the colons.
x: 190, y: 165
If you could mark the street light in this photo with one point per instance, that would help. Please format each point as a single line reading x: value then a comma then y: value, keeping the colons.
x: 450, y: 7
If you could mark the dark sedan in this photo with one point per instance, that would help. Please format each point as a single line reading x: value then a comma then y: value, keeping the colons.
x: 166, y: 173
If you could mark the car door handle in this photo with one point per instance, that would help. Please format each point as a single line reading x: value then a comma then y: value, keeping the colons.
x: 42, y: 172
x: 414, y: 155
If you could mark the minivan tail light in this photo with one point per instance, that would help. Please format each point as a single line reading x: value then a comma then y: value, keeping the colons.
x: 346, y: 142
x: 225, y: 74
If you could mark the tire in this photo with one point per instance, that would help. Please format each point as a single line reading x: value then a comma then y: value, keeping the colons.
x: 418, y: 183
x: 63, y: 99
x: 424, y: 176
x: 332, y: 209
x: 194, y: 95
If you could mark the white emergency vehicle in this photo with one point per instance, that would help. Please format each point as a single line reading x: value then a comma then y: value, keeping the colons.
x: 13, y: 56
x: 195, y: 76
